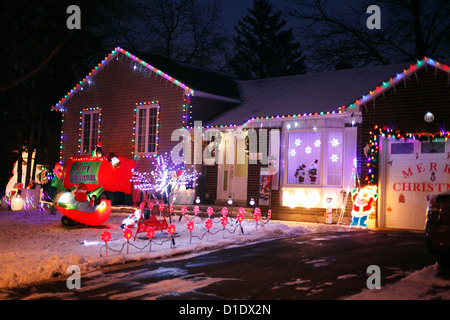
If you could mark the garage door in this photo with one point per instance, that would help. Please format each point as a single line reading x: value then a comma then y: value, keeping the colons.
x: 414, y: 171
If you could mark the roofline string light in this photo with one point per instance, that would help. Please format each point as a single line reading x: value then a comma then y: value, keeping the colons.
x: 247, y: 122
x: 87, y: 80
x: 364, y: 99
x: 385, y: 132
x: 398, y: 77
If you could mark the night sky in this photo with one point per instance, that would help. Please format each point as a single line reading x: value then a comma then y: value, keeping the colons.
x: 233, y: 10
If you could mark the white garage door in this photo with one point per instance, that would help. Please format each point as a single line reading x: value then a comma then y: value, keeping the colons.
x: 414, y: 170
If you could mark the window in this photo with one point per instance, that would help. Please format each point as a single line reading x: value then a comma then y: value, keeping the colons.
x: 304, y: 150
x: 90, y: 130
x: 402, y: 148
x: 432, y: 147
x: 315, y: 158
x: 334, y: 158
x: 147, y: 128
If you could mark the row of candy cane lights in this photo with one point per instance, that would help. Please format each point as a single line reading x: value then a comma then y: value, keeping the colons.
x: 150, y: 232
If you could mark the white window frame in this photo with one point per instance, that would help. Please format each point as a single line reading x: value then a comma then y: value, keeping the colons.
x: 147, y: 129
x: 92, y: 131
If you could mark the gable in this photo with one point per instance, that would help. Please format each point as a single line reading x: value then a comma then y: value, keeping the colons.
x: 393, y: 81
x: 202, y: 81
x: 139, y: 62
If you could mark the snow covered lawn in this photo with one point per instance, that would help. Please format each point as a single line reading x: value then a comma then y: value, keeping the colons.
x: 35, y: 246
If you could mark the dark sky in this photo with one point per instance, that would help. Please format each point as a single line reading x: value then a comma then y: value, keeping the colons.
x: 233, y: 10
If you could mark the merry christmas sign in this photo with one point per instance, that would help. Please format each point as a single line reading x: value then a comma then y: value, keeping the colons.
x: 97, y: 172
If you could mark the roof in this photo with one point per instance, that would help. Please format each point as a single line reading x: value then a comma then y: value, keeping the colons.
x: 315, y: 93
x: 198, y: 78
x: 188, y: 77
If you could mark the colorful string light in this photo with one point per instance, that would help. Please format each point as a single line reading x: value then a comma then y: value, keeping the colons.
x: 87, y: 80
x: 385, y: 132
x: 398, y: 77
x: 134, y: 152
x: 99, y: 111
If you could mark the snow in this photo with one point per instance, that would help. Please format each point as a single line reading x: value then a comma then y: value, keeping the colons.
x: 429, y: 283
x: 35, y: 246
x: 305, y: 93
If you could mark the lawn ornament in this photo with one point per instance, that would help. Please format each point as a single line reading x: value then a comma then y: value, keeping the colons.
x: 92, y: 212
x: 363, y: 201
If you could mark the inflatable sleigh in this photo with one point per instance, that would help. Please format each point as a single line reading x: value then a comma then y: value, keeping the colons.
x: 91, y: 176
x: 92, y: 212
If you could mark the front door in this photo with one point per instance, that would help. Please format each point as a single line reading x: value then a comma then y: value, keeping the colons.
x: 232, y: 176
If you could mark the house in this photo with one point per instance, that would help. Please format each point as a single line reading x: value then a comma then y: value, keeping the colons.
x: 403, y: 143
x: 296, y: 144
x: 386, y: 126
x: 132, y: 107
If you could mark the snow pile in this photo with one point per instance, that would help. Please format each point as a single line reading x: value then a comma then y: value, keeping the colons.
x: 35, y: 246
x: 430, y: 283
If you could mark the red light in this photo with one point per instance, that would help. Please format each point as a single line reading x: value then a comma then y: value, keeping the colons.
x: 224, y: 221
x: 106, y: 236
x: 150, y: 232
x: 127, y: 234
x: 171, y: 229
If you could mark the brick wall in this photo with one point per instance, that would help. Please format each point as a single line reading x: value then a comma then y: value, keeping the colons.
x: 404, y: 107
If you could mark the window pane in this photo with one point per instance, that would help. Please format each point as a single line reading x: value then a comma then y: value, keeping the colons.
x: 303, y: 157
x: 94, y: 132
x: 86, y: 132
x: 432, y: 147
x: 334, y: 158
x: 142, y: 121
x: 402, y: 148
x: 152, y: 130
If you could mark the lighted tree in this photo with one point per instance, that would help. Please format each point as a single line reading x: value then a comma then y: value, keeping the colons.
x: 166, y: 179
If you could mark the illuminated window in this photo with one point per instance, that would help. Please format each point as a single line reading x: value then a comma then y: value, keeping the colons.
x: 146, y: 129
x: 315, y: 158
x: 90, y: 130
x: 334, y: 158
x: 304, y: 151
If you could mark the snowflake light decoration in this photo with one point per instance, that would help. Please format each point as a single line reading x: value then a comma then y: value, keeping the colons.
x: 308, y: 150
x: 293, y: 153
x: 298, y: 142
x: 317, y: 143
x: 334, y: 158
x: 334, y: 142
